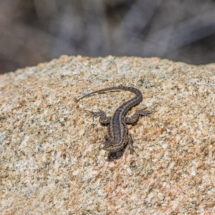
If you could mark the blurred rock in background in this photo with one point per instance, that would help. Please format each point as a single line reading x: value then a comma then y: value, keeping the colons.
x: 36, y: 31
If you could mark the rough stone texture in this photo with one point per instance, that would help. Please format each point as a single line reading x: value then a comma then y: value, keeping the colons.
x: 49, y: 145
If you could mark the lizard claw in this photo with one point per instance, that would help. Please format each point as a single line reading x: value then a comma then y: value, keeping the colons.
x: 94, y: 113
x: 89, y: 111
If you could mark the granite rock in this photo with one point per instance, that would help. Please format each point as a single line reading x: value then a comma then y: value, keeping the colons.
x: 50, y: 159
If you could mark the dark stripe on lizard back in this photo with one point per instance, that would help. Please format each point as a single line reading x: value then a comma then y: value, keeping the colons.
x: 121, y: 111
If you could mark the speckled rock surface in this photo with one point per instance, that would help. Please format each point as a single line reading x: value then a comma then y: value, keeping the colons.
x: 49, y: 145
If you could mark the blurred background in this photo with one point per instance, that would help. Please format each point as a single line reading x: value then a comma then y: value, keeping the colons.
x: 35, y: 31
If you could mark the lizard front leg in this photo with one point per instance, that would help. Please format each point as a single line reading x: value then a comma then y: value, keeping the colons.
x: 135, y: 117
x: 130, y: 143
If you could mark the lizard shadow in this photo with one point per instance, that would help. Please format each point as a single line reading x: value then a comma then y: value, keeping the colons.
x: 115, y: 155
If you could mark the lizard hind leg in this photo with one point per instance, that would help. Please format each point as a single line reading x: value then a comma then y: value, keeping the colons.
x: 102, y: 116
x: 135, y: 117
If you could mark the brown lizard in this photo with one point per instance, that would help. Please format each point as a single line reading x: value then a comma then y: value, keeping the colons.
x: 117, y: 137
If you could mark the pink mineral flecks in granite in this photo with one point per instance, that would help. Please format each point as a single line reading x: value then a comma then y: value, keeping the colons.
x: 49, y: 145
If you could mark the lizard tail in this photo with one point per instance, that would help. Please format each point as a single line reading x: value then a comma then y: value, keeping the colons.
x: 98, y: 91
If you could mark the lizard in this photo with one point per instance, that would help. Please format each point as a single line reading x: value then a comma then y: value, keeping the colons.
x: 117, y: 136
